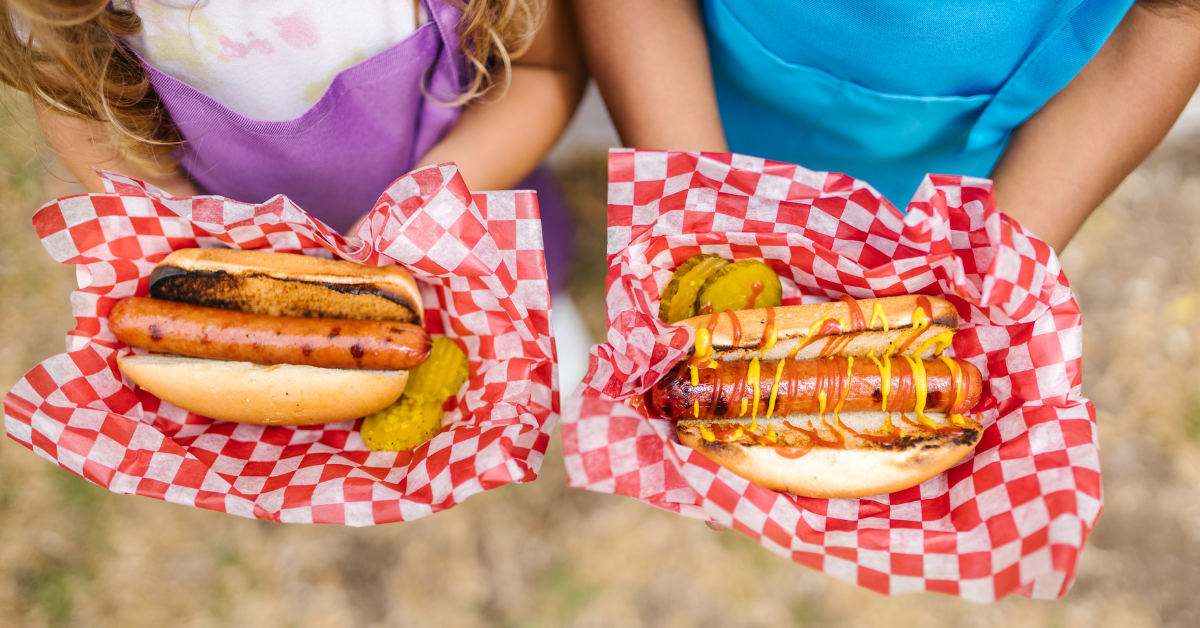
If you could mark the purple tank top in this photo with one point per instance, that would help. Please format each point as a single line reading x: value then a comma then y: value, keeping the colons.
x: 370, y: 127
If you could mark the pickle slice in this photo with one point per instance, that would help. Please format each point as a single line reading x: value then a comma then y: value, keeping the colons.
x: 441, y: 375
x: 402, y: 426
x: 742, y: 285
x: 679, y: 298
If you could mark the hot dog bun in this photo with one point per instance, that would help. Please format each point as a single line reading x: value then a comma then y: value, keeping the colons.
x: 830, y: 400
x: 272, y: 338
x: 863, y: 468
x: 281, y: 284
x: 793, y: 324
x: 266, y: 395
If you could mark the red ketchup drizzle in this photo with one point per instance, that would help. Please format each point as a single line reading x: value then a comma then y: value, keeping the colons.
x: 816, y: 439
x: 814, y: 405
x: 828, y: 328
x: 857, y: 322
x: 924, y: 304
x: 836, y: 344
x: 735, y: 395
x: 737, y: 329
x: 716, y: 389
x: 874, y: 438
x: 768, y: 328
x: 638, y: 403
x: 791, y: 453
x: 756, y: 289
x: 904, y: 387
x: 712, y: 324
x: 793, y: 375
x: 725, y: 433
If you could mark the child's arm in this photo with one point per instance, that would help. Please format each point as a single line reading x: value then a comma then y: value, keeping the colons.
x: 497, y: 142
x: 83, y: 145
x: 650, y: 61
x: 1066, y: 159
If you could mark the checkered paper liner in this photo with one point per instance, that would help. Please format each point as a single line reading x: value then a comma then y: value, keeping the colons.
x: 1011, y: 518
x: 479, y: 262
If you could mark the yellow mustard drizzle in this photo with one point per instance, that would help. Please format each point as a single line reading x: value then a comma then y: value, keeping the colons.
x: 837, y: 410
x: 815, y: 328
x: 919, y: 323
x: 822, y: 398
x: 695, y: 375
x: 771, y: 433
x: 703, y: 343
x: 696, y: 409
x: 959, y: 389
x: 921, y: 386
x: 878, y: 315
x: 771, y: 339
x: 885, y: 378
x: 775, y: 387
x: 745, y: 406
x: 754, y: 425
x: 738, y: 434
x: 943, y: 340
x: 707, y: 434
x: 752, y: 374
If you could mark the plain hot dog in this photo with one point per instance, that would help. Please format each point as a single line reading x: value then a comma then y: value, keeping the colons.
x: 205, y: 332
x: 272, y: 338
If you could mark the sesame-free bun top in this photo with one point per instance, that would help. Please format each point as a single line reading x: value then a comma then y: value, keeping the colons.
x: 283, y: 284
x: 792, y: 324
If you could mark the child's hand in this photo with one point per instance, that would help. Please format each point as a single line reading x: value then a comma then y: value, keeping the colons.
x: 1066, y: 159
x: 83, y: 147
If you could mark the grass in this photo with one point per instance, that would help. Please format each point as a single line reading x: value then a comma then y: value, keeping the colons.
x: 72, y: 554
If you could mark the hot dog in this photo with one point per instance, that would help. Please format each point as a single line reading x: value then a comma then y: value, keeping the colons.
x: 206, y: 332
x: 271, y: 338
x: 842, y: 399
x: 849, y: 384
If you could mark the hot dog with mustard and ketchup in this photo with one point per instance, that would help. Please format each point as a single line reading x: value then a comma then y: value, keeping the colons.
x: 842, y: 399
x: 272, y: 338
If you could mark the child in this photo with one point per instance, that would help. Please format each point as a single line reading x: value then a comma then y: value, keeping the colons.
x: 323, y: 102
x: 1056, y: 101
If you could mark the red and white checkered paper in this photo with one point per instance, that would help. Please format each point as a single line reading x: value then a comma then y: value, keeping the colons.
x: 1011, y: 518
x: 479, y: 262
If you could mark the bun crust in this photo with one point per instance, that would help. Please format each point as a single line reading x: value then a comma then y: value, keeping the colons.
x: 282, y: 284
x: 792, y: 324
x: 265, y: 395
x: 862, y: 469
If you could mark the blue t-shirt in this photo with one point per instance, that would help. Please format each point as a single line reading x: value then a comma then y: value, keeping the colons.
x: 889, y: 90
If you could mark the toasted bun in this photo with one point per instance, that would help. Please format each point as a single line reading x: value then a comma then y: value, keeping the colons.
x: 281, y: 284
x: 265, y: 395
x: 862, y: 469
x: 793, y: 323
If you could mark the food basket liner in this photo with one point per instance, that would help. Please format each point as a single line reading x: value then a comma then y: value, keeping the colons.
x: 479, y: 263
x: 1010, y: 518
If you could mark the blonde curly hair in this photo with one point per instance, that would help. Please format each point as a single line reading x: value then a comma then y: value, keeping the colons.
x: 69, y: 56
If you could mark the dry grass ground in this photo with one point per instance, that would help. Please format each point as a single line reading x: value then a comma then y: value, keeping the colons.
x: 72, y: 554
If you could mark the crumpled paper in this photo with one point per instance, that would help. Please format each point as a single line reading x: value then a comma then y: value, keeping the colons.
x: 1010, y: 518
x: 479, y: 263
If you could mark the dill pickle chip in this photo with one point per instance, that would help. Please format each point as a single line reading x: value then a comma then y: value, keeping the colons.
x: 440, y: 375
x: 679, y: 297
x: 402, y: 426
x: 742, y: 285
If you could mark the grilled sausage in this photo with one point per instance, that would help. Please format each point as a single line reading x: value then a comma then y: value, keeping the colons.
x: 719, y: 391
x: 172, y: 327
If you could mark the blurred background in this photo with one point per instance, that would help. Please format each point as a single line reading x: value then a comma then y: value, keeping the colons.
x: 73, y: 554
